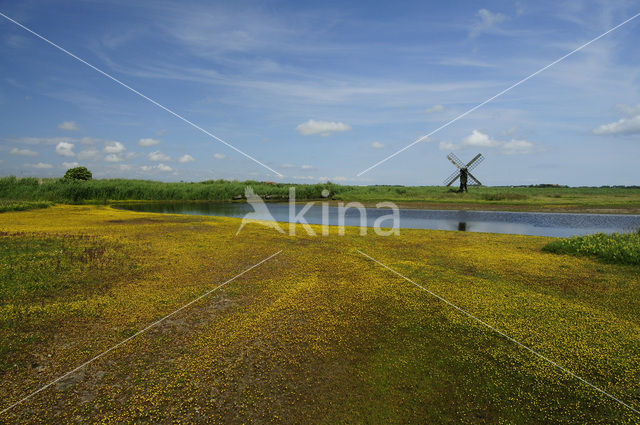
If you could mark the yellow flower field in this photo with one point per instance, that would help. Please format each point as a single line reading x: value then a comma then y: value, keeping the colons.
x: 317, y: 334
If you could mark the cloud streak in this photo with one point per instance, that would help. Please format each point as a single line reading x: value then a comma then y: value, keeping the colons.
x: 624, y: 126
x: 323, y: 128
x: 158, y: 156
x: 434, y: 108
x: 148, y: 142
x: 68, y: 126
x: 480, y: 140
x: 23, y: 152
x: 114, y: 147
x: 40, y: 166
x: 487, y: 21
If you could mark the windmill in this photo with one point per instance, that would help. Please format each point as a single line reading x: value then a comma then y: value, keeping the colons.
x: 461, y: 166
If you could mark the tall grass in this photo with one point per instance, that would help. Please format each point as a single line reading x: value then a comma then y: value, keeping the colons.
x: 11, y: 205
x: 618, y: 248
x: 59, y: 190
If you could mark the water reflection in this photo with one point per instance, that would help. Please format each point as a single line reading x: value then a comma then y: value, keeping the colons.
x: 524, y: 223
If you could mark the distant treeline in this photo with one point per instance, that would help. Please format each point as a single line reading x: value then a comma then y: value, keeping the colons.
x: 551, y: 185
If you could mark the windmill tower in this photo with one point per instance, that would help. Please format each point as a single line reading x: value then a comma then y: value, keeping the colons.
x: 463, y: 168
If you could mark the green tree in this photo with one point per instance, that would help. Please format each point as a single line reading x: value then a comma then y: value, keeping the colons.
x: 78, y: 173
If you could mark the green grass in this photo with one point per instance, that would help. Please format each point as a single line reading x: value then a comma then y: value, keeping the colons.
x: 7, y: 205
x: 33, y: 266
x: 543, y: 197
x: 618, y: 248
x: 317, y: 334
x: 58, y: 190
x: 36, y: 268
x: 504, y: 196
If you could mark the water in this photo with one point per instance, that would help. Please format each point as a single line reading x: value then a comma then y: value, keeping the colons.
x: 520, y: 223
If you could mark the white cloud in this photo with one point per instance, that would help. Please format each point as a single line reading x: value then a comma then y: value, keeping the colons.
x: 23, y: 152
x: 148, y: 142
x: 112, y: 157
x: 434, y: 108
x: 125, y: 167
x: 53, y: 140
x: 477, y: 139
x: 377, y: 145
x: 324, y: 128
x: 41, y: 140
x: 65, y: 149
x: 293, y: 166
x: 185, y: 158
x: 629, y: 125
x: 333, y: 179
x: 489, y: 18
x: 68, y: 125
x: 69, y: 164
x: 114, y: 147
x: 447, y: 146
x: 159, y: 167
x: 87, y: 140
x: 487, y: 21
x: 40, y: 165
x: 88, y: 155
x: 219, y: 156
x: 517, y: 147
x: 158, y: 156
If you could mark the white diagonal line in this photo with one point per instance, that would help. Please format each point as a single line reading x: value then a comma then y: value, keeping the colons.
x: 420, y: 139
x: 136, y: 334
x: 197, y: 127
x: 503, y: 334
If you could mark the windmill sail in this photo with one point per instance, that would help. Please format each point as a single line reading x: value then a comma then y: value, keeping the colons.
x: 475, y: 161
x: 455, y: 160
x: 474, y: 180
x: 453, y: 177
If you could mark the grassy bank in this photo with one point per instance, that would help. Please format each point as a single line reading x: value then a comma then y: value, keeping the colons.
x: 318, y: 334
x: 10, y: 205
x: 604, y: 199
x: 618, y: 248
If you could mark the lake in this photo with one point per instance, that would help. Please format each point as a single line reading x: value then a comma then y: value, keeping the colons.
x: 521, y: 223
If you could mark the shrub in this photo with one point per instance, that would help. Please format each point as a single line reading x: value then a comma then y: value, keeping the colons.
x: 78, y: 173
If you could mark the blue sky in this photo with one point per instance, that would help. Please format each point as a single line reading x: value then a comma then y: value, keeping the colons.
x: 322, y: 90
